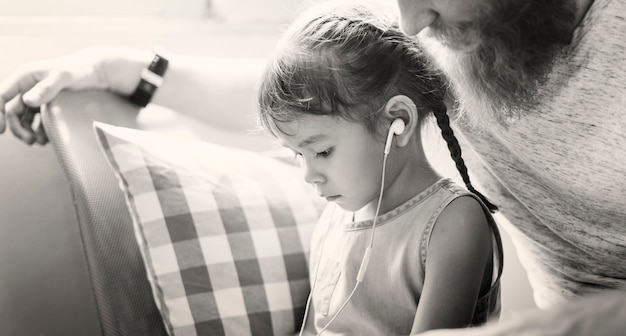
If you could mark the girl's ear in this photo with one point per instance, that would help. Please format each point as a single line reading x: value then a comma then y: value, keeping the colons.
x: 402, y: 107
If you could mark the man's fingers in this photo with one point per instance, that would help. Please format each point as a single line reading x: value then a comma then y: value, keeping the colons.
x: 40, y: 134
x: 21, y: 110
x: 19, y: 82
x: 8, y: 90
x: 48, y: 88
x: 16, y: 113
x: 3, y: 124
x: 27, y: 117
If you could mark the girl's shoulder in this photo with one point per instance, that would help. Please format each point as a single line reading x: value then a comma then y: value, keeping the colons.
x: 460, y: 224
x: 461, y: 216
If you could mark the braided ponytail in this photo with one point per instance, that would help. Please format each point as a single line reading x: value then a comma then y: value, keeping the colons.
x: 455, y: 151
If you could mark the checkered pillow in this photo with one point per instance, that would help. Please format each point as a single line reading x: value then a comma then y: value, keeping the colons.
x: 224, y: 232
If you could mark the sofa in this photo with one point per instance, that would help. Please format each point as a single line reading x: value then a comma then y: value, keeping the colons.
x: 112, y: 256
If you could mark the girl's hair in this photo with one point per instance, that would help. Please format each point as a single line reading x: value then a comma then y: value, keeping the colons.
x: 347, y: 60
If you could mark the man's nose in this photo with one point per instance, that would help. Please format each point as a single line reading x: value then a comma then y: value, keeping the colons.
x: 415, y: 16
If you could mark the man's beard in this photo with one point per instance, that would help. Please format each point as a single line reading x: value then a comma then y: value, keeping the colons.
x: 497, y: 63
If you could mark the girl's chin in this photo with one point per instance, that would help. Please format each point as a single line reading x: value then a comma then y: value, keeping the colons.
x: 349, y: 207
x: 343, y: 203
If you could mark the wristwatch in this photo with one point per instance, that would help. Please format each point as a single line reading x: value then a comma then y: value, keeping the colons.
x: 151, y: 80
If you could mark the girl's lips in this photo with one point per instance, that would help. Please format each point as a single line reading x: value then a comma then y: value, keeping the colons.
x: 331, y: 198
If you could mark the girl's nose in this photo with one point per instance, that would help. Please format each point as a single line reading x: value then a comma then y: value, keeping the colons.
x: 415, y: 16
x: 312, y: 175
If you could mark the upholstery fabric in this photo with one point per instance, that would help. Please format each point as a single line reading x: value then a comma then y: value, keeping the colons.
x: 121, y: 291
x: 224, y: 233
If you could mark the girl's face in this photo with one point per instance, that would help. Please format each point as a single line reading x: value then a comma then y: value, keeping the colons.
x: 341, y: 159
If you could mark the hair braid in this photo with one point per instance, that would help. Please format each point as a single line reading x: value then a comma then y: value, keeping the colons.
x: 455, y: 151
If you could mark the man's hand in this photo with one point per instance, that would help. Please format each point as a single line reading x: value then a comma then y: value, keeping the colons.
x: 34, y: 84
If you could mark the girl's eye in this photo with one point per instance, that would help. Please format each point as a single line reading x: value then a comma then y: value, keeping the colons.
x: 325, y: 153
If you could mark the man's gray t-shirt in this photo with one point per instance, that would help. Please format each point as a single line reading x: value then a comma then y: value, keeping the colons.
x: 559, y: 172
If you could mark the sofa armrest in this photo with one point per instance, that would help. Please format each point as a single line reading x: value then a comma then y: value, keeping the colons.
x: 121, y: 290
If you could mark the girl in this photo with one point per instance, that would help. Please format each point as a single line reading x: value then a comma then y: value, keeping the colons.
x: 342, y: 75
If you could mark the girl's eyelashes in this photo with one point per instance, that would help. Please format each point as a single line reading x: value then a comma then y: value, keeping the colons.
x: 324, y: 154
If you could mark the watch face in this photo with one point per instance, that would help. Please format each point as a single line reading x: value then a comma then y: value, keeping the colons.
x: 158, y: 65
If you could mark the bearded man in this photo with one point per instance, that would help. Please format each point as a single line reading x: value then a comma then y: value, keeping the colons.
x: 538, y: 89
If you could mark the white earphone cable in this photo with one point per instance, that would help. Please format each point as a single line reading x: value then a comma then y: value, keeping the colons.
x: 397, y: 127
x: 317, y: 268
x: 366, y: 254
x: 364, y: 262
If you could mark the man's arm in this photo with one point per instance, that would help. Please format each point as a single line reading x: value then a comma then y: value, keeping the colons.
x: 598, y: 315
x: 218, y: 91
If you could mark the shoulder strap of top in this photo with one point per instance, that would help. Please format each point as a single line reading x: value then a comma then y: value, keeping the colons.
x: 455, y: 192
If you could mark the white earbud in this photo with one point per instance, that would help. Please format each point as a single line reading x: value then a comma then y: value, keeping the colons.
x: 397, y: 127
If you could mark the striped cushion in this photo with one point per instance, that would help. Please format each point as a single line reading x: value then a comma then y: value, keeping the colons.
x: 224, y: 232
